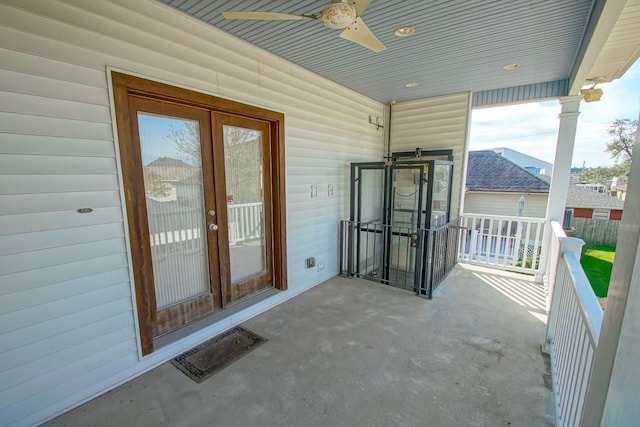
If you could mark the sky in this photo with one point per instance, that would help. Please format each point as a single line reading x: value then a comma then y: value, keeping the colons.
x: 155, y: 131
x: 533, y: 128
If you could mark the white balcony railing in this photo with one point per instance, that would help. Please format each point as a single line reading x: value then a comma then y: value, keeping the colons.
x: 573, y: 327
x: 245, y: 223
x: 512, y: 243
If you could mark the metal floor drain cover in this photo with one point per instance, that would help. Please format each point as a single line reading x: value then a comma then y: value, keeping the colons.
x: 211, y: 356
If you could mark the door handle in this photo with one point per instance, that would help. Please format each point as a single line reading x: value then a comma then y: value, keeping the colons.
x: 213, y: 227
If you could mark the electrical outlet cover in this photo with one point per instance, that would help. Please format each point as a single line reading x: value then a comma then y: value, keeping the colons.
x: 310, y: 262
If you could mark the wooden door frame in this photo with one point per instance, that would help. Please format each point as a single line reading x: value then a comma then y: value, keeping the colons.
x: 125, y: 85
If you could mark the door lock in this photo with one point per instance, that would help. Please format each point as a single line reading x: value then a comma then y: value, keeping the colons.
x: 213, y: 227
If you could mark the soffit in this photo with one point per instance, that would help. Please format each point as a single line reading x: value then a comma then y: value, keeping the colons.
x: 622, y: 47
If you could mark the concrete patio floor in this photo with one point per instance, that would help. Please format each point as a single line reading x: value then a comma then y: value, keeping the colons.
x: 355, y: 353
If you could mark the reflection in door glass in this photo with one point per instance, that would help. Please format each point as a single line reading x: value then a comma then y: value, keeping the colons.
x: 245, y: 201
x: 440, y: 203
x: 172, y: 170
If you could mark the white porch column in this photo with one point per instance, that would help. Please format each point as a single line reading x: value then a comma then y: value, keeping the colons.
x: 564, y: 155
x: 612, y: 397
x: 561, y: 170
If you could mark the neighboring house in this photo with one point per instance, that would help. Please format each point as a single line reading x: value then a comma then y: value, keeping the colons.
x: 526, y: 162
x: 575, y: 174
x: 619, y: 192
x: 587, y: 203
x: 495, y: 185
x: 598, y: 188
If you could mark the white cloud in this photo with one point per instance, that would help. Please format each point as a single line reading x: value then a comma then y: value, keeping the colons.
x: 532, y: 128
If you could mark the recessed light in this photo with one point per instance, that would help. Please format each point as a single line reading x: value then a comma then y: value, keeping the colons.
x: 512, y: 66
x: 411, y: 84
x: 404, y: 31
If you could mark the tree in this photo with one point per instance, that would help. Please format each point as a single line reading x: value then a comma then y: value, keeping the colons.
x: 623, y: 132
x: 605, y: 174
x: 242, y: 157
x: 153, y: 184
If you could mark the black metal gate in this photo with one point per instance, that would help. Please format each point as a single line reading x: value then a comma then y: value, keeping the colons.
x: 414, y: 259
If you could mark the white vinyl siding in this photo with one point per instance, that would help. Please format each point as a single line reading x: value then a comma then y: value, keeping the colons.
x: 439, y: 123
x: 67, y: 322
x: 490, y: 203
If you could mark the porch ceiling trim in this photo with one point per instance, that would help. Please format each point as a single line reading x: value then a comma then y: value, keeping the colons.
x: 517, y: 94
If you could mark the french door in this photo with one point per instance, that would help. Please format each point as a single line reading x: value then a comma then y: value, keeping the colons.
x: 199, y: 188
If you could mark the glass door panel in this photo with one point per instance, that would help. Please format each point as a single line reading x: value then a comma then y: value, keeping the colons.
x: 406, y: 200
x: 441, y: 194
x: 370, y: 216
x: 406, y: 197
x: 245, y: 201
x: 244, y: 144
x: 172, y: 171
x: 371, y: 190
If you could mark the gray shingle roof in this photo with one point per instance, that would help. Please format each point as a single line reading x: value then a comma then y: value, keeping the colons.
x: 488, y: 171
x: 580, y: 197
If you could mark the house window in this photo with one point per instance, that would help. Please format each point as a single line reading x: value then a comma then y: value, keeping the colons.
x: 532, y: 169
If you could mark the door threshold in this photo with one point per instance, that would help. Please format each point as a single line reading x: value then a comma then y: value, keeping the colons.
x: 210, y: 319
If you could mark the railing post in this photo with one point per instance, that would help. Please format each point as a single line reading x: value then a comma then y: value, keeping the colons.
x: 350, y: 248
x: 473, y: 243
x: 419, y: 257
x: 566, y: 244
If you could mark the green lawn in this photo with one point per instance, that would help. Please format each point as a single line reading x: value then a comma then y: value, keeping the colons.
x: 597, y: 261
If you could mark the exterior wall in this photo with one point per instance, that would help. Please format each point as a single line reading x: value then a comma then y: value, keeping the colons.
x: 582, y: 212
x: 489, y: 203
x: 615, y: 214
x: 525, y: 161
x: 439, y: 123
x: 67, y: 320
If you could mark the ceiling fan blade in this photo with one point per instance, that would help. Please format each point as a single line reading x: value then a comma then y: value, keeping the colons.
x: 360, y: 5
x: 359, y: 33
x: 269, y: 16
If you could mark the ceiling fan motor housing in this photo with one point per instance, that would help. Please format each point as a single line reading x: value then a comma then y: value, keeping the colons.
x: 339, y: 15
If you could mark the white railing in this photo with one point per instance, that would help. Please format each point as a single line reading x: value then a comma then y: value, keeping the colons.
x: 512, y: 243
x: 245, y: 222
x: 573, y: 328
x: 557, y: 235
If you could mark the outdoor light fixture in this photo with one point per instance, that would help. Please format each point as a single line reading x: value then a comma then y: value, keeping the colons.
x: 404, y: 31
x: 592, y: 94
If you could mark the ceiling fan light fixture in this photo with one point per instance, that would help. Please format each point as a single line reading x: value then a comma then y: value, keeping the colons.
x: 339, y: 15
x: 404, y: 31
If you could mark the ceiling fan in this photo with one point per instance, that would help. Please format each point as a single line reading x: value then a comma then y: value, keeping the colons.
x: 336, y: 15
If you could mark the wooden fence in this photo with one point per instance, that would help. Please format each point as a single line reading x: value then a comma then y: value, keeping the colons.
x: 596, y: 231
